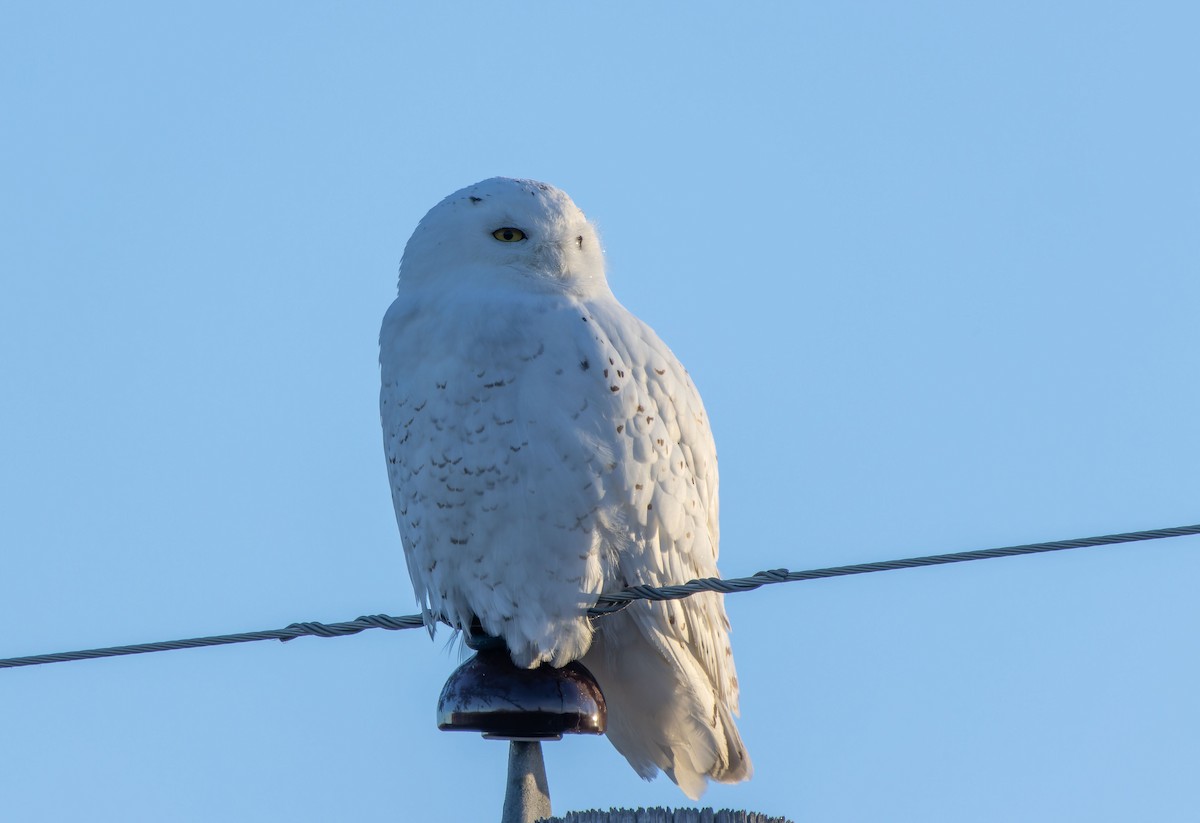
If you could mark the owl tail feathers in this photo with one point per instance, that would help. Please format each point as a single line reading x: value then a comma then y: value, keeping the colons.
x: 663, y: 715
x: 727, y: 762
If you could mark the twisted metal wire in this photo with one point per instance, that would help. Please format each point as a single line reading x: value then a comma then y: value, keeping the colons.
x: 618, y: 600
x: 609, y: 603
x: 370, y: 621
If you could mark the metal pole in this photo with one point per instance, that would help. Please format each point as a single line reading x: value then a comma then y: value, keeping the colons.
x: 527, y: 798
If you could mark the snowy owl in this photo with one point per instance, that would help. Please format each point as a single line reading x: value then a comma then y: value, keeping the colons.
x: 544, y: 446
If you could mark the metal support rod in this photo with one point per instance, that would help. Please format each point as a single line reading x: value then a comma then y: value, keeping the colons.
x: 527, y: 798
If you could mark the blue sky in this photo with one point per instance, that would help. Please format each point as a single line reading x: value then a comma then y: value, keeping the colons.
x: 934, y: 268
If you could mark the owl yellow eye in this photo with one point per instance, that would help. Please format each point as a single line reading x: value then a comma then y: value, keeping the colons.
x: 508, y: 234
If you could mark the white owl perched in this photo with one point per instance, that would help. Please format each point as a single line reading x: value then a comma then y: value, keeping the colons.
x: 544, y: 446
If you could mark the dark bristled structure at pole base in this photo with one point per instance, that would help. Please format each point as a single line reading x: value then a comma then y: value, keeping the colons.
x: 491, y: 695
x: 660, y: 815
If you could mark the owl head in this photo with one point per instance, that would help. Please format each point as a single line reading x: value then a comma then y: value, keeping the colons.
x: 519, y: 230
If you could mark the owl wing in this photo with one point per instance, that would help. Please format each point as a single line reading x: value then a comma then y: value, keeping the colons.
x: 666, y: 668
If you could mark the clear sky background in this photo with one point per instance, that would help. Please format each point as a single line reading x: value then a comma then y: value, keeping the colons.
x: 934, y: 267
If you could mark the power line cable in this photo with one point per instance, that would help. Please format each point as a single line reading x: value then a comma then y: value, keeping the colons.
x: 616, y: 601
x: 372, y: 621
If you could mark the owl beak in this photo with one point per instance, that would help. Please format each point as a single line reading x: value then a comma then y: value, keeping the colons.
x: 554, y: 258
